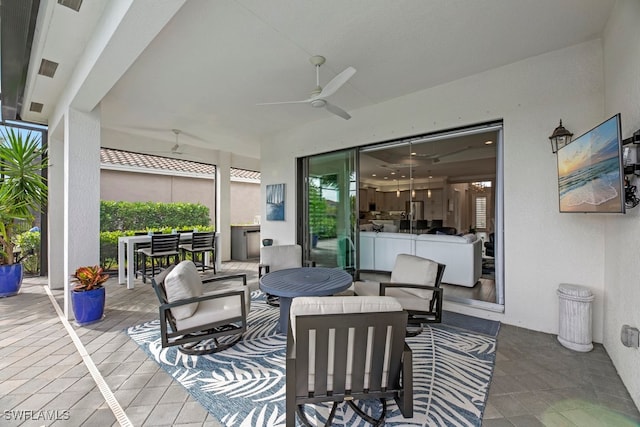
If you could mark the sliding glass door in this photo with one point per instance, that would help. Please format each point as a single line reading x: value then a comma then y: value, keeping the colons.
x: 328, y: 226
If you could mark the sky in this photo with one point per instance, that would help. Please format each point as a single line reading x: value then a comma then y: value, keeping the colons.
x: 600, y: 143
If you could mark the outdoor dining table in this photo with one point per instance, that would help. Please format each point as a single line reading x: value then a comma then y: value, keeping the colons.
x: 303, y: 281
x: 126, y: 245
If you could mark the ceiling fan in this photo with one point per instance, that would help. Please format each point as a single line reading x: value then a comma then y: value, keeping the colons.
x: 435, y: 158
x: 176, y: 149
x: 318, y: 96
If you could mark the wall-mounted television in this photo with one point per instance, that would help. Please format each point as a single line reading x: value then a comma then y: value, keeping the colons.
x: 590, y: 173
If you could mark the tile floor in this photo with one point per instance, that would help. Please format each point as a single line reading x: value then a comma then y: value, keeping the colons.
x: 43, y: 376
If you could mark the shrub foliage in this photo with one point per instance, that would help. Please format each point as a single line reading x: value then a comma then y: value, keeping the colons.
x: 119, y: 219
x: 120, y: 216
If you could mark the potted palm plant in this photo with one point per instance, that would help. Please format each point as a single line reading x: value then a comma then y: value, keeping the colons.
x: 23, y: 191
x: 88, y: 295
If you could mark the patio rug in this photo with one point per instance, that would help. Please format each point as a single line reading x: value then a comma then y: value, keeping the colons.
x: 245, y: 385
x: 471, y: 323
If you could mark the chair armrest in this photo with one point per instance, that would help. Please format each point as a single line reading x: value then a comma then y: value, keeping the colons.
x: 242, y: 276
x: 357, y: 273
x: 261, y: 267
x: 405, y: 398
x: 291, y: 344
x: 229, y: 293
x: 384, y: 285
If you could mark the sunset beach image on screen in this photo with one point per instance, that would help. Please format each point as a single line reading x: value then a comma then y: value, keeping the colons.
x: 590, y: 175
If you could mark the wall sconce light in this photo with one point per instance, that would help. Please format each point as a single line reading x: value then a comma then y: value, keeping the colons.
x: 398, y: 190
x: 559, y: 138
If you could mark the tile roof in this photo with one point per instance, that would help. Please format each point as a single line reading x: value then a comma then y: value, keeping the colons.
x: 147, y: 161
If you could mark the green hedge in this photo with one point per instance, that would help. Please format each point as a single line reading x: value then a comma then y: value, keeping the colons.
x: 120, y: 216
x: 29, y: 243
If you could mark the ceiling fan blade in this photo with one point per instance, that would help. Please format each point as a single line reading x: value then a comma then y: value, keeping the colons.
x: 337, y: 111
x: 337, y: 82
x: 439, y: 155
x: 450, y: 153
x: 306, y: 101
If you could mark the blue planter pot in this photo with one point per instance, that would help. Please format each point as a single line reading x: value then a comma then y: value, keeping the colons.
x: 88, y: 306
x: 10, y: 279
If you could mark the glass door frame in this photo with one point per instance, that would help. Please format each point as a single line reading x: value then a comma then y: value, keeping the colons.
x: 303, y: 224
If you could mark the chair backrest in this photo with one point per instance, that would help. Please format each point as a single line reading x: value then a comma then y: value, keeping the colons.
x: 279, y: 257
x: 360, y: 353
x: 443, y: 230
x: 415, y: 270
x: 158, y: 284
x: 422, y: 224
x: 202, y: 240
x: 164, y: 243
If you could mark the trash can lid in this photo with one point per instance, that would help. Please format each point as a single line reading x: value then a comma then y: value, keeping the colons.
x: 574, y: 290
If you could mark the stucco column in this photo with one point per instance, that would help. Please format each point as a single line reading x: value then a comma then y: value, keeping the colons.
x: 81, y: 192
x: 223, y: 204
x: 55, y: 214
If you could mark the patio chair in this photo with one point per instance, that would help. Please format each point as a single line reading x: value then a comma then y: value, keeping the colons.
x: 201, y: 243
x: 280, y: 257
x: 136, y: 256
x: 364, y: 356
x: 415, y: 283
x: 163, y: 248
x: 201, y: 320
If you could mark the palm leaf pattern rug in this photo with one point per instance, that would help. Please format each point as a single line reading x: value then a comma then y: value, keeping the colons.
x: 245, y: 385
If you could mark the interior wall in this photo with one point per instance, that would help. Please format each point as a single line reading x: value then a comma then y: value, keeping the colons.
x: 543, y: 248
x: 622, y: 233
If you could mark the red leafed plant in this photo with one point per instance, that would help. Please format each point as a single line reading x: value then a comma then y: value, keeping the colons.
x: 89, y: 278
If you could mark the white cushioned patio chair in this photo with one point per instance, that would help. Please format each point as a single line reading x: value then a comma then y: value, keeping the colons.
x: 280, y: 257
x: 415, y: 283
x: 201, y: 319
x: 343, y: 349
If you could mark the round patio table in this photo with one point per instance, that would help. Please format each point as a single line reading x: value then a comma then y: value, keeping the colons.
x: 304, y: 281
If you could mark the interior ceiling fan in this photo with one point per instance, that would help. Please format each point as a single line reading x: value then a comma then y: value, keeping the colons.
x: 318, y: 96
x: 435, y: 158
x: 415, y: 159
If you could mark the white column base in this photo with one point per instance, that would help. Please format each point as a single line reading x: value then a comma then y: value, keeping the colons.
x: 575, y: 346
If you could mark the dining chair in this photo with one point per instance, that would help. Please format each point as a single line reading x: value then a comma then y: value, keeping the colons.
x: 163, y: 248
x: 280, y: 257
x: 346, y: 349
x: 201, y: 243
x: 415, y: 283
x: 136, y: 247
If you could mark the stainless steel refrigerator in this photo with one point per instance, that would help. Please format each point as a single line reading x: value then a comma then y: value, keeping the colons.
x: 415, y: 210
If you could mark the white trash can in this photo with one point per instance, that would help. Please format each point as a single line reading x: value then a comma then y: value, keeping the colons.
x: 575, y: 317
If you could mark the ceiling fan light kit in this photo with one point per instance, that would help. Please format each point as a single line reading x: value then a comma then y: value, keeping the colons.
x: 317, y: 98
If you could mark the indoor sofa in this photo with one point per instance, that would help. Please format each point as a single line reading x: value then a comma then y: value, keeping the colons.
x: 461, y: 254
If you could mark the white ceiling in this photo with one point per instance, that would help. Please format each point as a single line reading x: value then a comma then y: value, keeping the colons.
x: 215, y: 60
